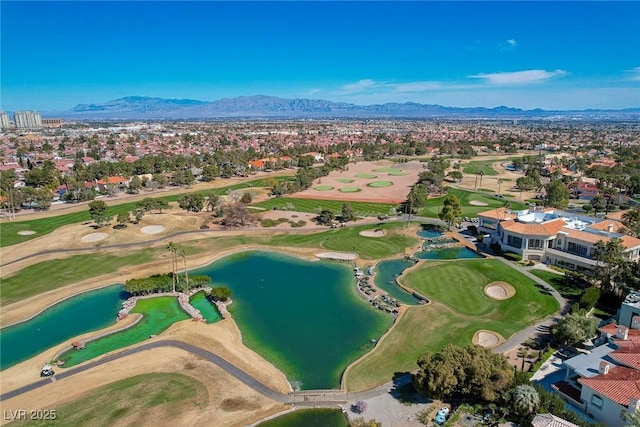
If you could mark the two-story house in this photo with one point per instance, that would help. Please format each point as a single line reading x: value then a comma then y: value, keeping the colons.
x: 554, y: 237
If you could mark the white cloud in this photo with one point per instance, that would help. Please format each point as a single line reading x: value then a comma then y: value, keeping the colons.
x: 519, y: 77
x: 360, y: 85
x: 416, y: 86
x: 507, y: 45
x: 634, y: 74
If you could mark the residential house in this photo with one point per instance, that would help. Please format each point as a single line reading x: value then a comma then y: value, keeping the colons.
x: 605, y: 383
x: 554, y: 237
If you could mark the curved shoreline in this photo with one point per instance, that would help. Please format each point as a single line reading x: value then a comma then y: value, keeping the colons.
x: 53, y: 304
x: 309, y: 256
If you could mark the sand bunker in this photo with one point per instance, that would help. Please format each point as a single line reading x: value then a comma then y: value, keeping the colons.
x: 341, y: 256
x: 487, y: 339
x: 152, y: 229
x: 94, y: 237
x: 372, y: 233
x: 26, y: 232
x: 499, y: 290
x: 477, y: 203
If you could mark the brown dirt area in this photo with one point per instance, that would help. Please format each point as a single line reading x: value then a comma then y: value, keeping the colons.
x: 222, y: 338
x: 220, y: 386
x: 395, y: 193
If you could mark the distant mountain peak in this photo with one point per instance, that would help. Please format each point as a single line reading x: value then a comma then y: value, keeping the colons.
x: 265, y: 106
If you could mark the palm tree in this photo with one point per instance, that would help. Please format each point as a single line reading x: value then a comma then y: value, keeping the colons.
x: 183, y: 254
x: 499, y: 185
x: 525, y: 399
x: 173, y: 248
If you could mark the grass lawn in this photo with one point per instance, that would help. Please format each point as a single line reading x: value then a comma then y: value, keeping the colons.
x: 433, y: 206
x: 47, y: 275
x: 475, y: 167
x: 132, y: 401
x: 9, y: 230
x: 349, y: 240
x: 315, y: 206
x: 459, y: 308
x: 558, y: 283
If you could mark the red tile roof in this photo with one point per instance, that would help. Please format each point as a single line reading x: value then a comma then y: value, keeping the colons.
x: 618, y: 385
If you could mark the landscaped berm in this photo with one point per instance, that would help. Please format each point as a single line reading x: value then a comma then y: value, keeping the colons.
x: 394, y: 184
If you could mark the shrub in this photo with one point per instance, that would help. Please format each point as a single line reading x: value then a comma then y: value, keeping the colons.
x: 297, y: 224
x: 512, y: 256
x: 361, y: 406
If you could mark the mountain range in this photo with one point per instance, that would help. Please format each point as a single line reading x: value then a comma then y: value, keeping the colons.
x: 261, y: 106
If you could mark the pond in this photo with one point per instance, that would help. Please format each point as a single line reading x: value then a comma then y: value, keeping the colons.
x: 309, y: 418
x: 77, y: 315
x: 304, y: 317
x: 430, y: 233
x: 386, y: 273
x: 448, y: 253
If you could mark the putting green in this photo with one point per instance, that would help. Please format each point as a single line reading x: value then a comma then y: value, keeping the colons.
x: 323, y: 188
x: 366, y: 175
x: 388, y: 170
x: 349, y: 189
x: 397, y: 174
x: 345, y: 180
x: 380, y: 184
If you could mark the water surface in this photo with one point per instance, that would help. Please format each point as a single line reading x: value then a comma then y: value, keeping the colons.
x: 77, y: 315
x: 448, y: 253
x: 304, y: 317
x: 386, y: 273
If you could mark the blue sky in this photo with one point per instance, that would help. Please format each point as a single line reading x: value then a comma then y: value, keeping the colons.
x: 551, y: 55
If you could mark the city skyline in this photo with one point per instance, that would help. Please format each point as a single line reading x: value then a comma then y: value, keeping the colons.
x: 563, y: 56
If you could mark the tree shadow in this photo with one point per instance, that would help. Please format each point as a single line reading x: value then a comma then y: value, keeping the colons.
x: 403, y: 390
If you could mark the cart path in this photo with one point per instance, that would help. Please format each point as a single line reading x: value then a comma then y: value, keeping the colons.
x: 302, y: 398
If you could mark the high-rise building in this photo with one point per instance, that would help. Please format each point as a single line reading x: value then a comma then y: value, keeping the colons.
x: 27, y: 119
x: 4, y: 120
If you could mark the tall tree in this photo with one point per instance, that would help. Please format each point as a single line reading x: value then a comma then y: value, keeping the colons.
x: 173, y: 249
x: 466, y: 372
x: 451, y: 210
x: 183, y: 254
x: 347, y: 213
x: 557, y: 194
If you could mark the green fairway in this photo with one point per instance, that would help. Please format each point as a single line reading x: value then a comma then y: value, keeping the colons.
x: 349, y: 189
x: 315, y: 206
x: 345, y: 180
x: 459, y: 308
x: 365, y: 175
x: 323, y: 187
x: 9, y: 230
x: 48, y: 275
x: 380, y: 184
x: 476, y: 167
x: 397, y: 174
x: 349, y: 240
x: 132, y: 401
x: 433, y: 206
